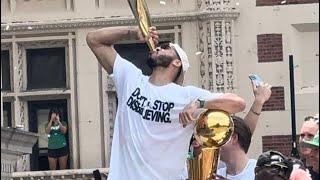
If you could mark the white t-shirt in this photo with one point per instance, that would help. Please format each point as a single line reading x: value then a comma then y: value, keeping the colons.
x: 246, y: 174
x: 149, y: 142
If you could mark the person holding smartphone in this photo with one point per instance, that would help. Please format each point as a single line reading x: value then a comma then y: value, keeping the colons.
x: 262, y: 93
x: 57, y: 145
x: 234, y: 162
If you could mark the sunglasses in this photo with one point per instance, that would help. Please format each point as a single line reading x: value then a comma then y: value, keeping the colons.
x: 167, y: 46
x: 312, y: 118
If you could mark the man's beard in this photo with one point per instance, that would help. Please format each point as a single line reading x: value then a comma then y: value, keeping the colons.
x: 162, y: 61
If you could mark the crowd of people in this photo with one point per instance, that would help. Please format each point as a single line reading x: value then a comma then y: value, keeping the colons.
x: 155, y: 119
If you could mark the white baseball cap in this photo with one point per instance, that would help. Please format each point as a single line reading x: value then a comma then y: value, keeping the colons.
x: 182, y: 55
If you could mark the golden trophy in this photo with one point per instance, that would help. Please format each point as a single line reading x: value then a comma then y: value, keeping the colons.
x: 213, y: 129
x: 140, y: 11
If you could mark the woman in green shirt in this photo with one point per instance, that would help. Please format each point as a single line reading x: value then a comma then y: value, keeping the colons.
x: 57, y: 145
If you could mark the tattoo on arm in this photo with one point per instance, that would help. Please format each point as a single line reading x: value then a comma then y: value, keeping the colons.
x: 131, y: 34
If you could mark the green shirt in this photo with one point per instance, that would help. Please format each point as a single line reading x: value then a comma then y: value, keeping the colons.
x: 56, y: 138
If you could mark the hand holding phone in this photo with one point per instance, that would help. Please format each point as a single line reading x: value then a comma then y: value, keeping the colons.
x: 256, y: 79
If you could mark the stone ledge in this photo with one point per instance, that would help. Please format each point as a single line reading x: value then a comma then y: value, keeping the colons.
x: 70, y: 173
x: 16, y: 141
x: 69, y: 24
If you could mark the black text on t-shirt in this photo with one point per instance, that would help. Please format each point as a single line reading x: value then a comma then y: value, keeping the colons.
x: 157, y: 111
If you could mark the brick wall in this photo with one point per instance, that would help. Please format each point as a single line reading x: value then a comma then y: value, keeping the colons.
x: 288, y: 2
x: 276, y: 101
x: 281, y: 143
x: 270, y: 47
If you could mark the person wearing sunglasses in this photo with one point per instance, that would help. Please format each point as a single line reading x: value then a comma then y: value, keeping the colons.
x: 308, y: 130
x: 154, y: 120
x: 274, y: 165
x: 313, y: 145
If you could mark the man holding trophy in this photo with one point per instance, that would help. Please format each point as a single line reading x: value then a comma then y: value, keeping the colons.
x: 150, y: 141
x: 154, y: 121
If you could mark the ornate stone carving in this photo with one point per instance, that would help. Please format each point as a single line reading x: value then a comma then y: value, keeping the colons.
x: 216, y: 61
x: 203, y: 56
x: 219, y: 61
x: 112, y: 107
x: 112, y: 104
x: 110, y: 84
x: 22, y: 114
x: 13, y: 5
x: 216, y: 5
x: 19, y: 67
x: 199, y: 4
x: 229, y: 59
x: 7, y: 167
x: 209, y: 55
x: 25, y: 162
x: 22, y: 163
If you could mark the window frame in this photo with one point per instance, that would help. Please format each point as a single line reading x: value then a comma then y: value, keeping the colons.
x: 10, y: 114
x: 32, y: 87
x: 7, y: 47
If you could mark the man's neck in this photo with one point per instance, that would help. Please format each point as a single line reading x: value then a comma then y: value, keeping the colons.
x: 237, y: 164
x: 160, y: 77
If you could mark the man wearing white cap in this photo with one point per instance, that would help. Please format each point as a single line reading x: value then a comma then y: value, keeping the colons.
x: 154, y: 120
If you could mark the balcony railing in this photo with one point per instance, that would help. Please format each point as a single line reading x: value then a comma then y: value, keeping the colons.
x: 84, y: 174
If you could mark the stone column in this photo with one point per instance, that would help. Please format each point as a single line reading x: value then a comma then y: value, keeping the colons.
x: 110, y: 109
x: 19, y: 83
x: 216, y: 44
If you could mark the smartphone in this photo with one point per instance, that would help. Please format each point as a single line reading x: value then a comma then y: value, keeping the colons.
x: 256, y: 79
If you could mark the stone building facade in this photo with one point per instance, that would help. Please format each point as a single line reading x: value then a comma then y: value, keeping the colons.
x: 225, y: 40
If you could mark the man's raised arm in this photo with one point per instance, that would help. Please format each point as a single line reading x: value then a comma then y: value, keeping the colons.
x: 261, y: 95
x: 228, y: 102
x: 101, y: 42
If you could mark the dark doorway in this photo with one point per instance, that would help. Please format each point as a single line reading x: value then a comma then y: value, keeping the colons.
x: 38, y: 117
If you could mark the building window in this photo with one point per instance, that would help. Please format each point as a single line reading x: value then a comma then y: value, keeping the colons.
x: 270, y: 48
x: 5, y: 68
x: 7, y: 117
x: 46, y: 68
x: 136, y: 53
